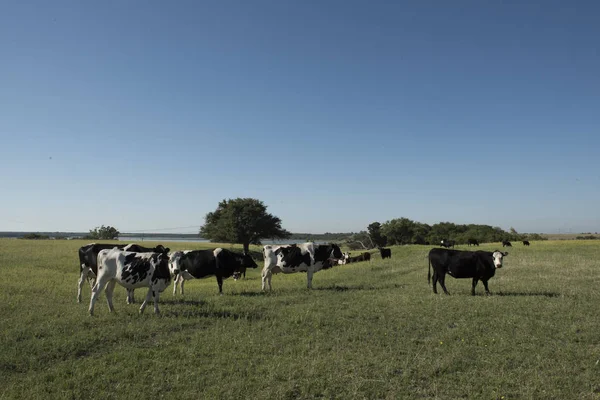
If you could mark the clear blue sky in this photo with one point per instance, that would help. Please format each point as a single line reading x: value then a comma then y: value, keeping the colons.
x: 145, y: 114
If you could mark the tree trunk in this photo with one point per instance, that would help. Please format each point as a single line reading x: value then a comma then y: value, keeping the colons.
x: 247, y: 248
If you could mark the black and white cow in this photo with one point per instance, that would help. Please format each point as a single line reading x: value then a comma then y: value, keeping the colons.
x: 479, y: 265
x: 88, y: 263
x: 473, y: 242
x: 506, y: 243
x: 525, y: 242
x: 198, y: 264
x: 447, y: 243
x: 385, y: 253
x: 305, y: 257
x: 131, y: 270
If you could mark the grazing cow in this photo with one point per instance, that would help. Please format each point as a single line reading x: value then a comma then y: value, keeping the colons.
x: 131, y: 270
x: 506, y: 243
x: 479, y: 265
x: 473, y: 242
x: 526, y: 242
x: 385, y: 253
x: 363, y: 257
x: 88, y: 263
x: 305, y: 257
x: 198, y: 264
x: 447, y: 243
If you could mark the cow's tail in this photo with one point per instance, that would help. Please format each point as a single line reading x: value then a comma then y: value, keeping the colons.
x: 429, y: 270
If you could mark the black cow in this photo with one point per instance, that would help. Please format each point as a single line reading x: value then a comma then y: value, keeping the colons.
x: 88, y: 263
x: 473, y: 242
x: 479, y: 265
x: 385, y: 253
x: 526, y: 242
x: 447, y: 243
x: 198, y: 264
x: 506, y: 243
x: 141, y: 249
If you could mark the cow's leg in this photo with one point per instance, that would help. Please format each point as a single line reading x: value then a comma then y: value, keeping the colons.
x: 475, y: 280
x: 146, y: 300
x: 110, y: 288
x: 175, y: 281
x: 485, y: 285
x: 130, y: 298
x: 443, y: 283
x: 309, y: 276
x: 220, y: 282
x: 266, y: 278
x: 96, y: 291
x: 434, y: 280
x: 156, y: 295
x: 182, y: 280
x: 84, y: 273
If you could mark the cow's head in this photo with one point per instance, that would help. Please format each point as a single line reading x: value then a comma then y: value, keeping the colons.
x: 497, y: 258
x: 174, y: 259
x: 248, y: 261
x: 162, y: 249
x: 335, y: 251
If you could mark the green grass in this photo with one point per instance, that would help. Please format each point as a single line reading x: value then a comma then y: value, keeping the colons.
x: 367, y: 330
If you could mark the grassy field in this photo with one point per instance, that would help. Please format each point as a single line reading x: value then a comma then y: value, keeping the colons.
x: 368, y: 330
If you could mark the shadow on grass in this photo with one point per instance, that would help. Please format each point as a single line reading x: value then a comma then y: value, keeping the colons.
x: 527, y: 294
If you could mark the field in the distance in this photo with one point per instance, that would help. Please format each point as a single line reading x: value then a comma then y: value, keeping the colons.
x: 365, y: 331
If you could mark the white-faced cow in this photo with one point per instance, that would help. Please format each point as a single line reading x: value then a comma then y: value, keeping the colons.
x: 305, y: 257
x: 447, y: 243
x: 385, y: 253
x: 131, y: 270
x: 479, y: 265
x: 198, y: 264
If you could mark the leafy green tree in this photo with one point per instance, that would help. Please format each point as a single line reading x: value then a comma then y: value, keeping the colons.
x: 104, y: 233
x: 242, y: 220
x: 375, y: 233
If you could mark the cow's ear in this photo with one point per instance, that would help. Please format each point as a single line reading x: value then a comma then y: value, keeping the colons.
x: 505, y: 253
x: 167, y: 250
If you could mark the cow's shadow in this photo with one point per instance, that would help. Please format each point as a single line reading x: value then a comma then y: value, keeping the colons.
x: 201, y: 309
x: 526, y: 294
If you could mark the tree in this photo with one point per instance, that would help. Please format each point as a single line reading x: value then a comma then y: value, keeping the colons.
x: 243, y: 221
x: 104, y: 233
x: 375, y: 234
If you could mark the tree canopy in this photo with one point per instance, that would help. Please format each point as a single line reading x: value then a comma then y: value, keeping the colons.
x: 104, y: 233
x: 242, y: 220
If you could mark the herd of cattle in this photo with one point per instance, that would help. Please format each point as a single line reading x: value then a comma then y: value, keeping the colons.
x: 134, y: 266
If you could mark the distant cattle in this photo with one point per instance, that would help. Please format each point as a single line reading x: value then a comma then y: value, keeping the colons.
x: 525, y: 242
x: 506, y: 243
x: 197, y: 264
x: 479, y: 265
x: 366, y: 256
x: 131, y: 270
x: 305, y: 257
x: 385, y: 253
x: 88, y: 263
x: 447, y: 243
x: 473, y: 242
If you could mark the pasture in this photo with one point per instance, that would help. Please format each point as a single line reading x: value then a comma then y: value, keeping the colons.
x: 367, y: 330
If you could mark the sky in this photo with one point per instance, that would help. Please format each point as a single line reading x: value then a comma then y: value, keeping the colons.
x: 143, y: 115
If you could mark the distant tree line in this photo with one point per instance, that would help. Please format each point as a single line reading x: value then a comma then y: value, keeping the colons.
x: 401, y: 231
